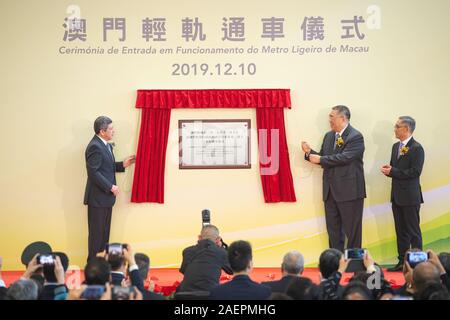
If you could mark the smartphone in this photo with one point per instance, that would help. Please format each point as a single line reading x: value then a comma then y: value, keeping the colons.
x: 46, y: 259
x: 93, y: 292
x: 206, y: 217
x: 354, y: 254
x: 414, y: 258
x: 121, y: 293
x: 114, y: 248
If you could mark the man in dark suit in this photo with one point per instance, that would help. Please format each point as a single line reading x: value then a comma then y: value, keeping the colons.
x: 291, y: 268
x: 344, y: 190
x: 101, y: 189
x: 405, y: 167
x: 241, y: 287
x: 203, y: 263
x: 119, y: 263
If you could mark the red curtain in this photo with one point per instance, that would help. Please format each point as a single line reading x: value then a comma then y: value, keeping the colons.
x: 148, y: 183
x: 276, y: 174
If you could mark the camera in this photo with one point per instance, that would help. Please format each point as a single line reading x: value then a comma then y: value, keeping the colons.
x: 121, y: 293
x: 93, y: 292
x: 354, y: 254
x: 356, y: 257
x: 206, y: 217
x: 414, y: 258
x: 115, y: 248
x: 46, y: 259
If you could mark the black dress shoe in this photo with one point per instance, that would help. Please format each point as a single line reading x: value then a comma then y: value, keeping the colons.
x: 398, y: 267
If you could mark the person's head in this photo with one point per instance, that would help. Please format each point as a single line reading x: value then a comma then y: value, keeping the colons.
x: 240, y: 256
x: 293, y: 263
x: 329, y: 262
x: 444, y: 258
x: 97, y: 271
x: 210, y: 232
x: 302, y: 289
x: 104, y: 128
x: 356, y: 290
x: 143, y: 263
x: 23, y: 289
x: 339, y: 117
x: 404, y: 127
x: 433, y: 291
x: 117, y: 262
x: 423, y: 274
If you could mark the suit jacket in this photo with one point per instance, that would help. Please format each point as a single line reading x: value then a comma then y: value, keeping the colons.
x: 343, y: 167
x: 202, y: 266
x: 241, y: 288
x: 101, y: 168
x: 405, y: 174
x: 280, y: 285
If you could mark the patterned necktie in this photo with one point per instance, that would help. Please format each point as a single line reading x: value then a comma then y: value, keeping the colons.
x: 336, y: 138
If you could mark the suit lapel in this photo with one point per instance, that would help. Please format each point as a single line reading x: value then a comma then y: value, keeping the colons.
x: 344, y: 137
x: 409, y: 144
x: 106, y: 148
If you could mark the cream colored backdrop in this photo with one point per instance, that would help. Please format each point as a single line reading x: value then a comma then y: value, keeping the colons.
x: 49, y: 100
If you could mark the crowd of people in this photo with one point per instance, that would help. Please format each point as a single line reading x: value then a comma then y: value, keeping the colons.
x: 118, y: 273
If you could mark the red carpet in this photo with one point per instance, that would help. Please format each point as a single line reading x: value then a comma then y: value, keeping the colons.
x: 166, y: 280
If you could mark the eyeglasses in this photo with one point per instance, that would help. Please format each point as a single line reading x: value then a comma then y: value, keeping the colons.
x: 397, y: 126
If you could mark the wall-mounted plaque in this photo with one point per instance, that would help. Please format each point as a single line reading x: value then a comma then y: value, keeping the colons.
x: 214, y: 144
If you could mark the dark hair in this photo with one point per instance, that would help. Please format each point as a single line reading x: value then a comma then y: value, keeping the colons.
x: 301, y: 288
x: 116, y: 261
x: 329, y: 262
x: 101, y: 123
x: 444, y: 257
x: 409, y: 122
x: 357, y: 287
x: 433, y: 291
x: 425, y: 273
x: 97, y: 271
x: 343, y: 111
x: 143, y: 263
x: 239, y: 255
x: 49, y: 273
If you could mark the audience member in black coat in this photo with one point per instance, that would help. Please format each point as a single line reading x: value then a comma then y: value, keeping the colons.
x: 291, y: 268
x: 203, y: 263
x: 241, y: 287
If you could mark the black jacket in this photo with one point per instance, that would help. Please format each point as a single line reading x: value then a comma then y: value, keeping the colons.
x: 280, y: 285
x: 101, y: 168
x: 343, y: 167
x: 405, y: 174
x: 241, y: 288
x: 202, y: 266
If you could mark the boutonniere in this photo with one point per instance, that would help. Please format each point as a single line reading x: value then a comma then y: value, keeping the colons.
x: 340, y: 142
x: 404, y: 150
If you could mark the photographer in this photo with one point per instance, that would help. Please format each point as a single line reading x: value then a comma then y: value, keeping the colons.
x: 203, y: 262
x: 119, y: 262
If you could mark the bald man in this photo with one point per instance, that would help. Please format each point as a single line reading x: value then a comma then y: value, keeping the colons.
x: 203, y: 263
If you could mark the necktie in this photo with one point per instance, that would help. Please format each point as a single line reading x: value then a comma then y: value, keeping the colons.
x: 400, y: 146
x: 336, y: 137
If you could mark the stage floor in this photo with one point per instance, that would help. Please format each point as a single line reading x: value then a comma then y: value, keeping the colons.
x: 166, y: 280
